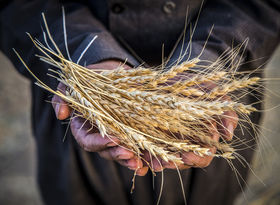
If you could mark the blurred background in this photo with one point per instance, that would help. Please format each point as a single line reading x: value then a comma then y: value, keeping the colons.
x: 18, y: 152
x: 17, y: 147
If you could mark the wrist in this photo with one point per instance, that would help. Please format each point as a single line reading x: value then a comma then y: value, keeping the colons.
x: 108, y: 65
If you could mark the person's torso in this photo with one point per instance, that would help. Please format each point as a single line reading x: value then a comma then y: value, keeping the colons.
x: 145, y: 26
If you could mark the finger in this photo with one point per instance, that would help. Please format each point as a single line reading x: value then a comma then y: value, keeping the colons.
x: 133, y: 164
x: 108, y: 65
x: 61, y: 108
x: 191, y: 159
x: 117, y: 153
x: 170, y: 165
x: 89, y: 141
x: 142, y: 171
x: 214, y: 131
x: 227, y: 124
x: 156, y: 164
x: 183, y: 166
x: 159, y: 164
x: 207, y: 86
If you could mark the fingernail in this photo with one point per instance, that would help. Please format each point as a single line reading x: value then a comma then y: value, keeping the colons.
x: 57, y: 108
x: 111, y: 144
x: 142, y: 171
x: 124, y: 156
x: 230, y: 129
x: 187, y: 161
x: 132, y: 166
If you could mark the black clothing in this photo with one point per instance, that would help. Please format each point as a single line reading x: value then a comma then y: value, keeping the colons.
x: 66, y: 173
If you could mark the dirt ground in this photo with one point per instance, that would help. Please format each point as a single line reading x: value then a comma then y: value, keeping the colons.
x: 18, y: 158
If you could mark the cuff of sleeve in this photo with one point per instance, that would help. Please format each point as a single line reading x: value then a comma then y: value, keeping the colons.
x: 208, y: 54
x: 104, y: 48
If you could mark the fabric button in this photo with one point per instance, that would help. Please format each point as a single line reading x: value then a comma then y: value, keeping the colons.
x: 117, y: 8
x: 169, y: 7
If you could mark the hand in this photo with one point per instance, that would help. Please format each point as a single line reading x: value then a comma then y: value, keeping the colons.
x: 108, y: 148
x: 226, y: 123
x: 189, y: 158
x: 91, y: 140
x: 222, y: 128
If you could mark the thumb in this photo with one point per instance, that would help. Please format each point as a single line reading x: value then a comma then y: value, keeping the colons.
x: 61, y: 108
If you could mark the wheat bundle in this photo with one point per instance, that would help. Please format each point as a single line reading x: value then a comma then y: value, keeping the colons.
x: 163, y: 111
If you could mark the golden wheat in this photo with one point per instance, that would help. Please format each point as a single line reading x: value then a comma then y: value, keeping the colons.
x: 163, y: 111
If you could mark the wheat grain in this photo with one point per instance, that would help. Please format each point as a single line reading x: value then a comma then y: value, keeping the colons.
x: 147, y: 109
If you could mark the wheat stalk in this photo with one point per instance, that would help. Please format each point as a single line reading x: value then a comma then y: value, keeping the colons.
x: 164, y: 112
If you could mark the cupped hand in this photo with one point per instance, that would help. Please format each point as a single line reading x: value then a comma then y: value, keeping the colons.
x: 109, y: 147
x: 189, y: 159
x: 90, y: 139
x: 223, y: 127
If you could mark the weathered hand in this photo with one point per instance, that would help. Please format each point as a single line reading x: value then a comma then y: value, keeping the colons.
x: 90, y: 139
x: 189, y: 158
x: 226, y: 123
x: 108, y: 147
x: 222, y: 128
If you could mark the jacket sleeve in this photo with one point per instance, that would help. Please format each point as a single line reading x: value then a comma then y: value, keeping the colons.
x: 234, y: 22
x: 18, y: 17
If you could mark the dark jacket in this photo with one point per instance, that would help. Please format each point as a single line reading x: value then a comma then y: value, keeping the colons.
x: 66, y: 173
